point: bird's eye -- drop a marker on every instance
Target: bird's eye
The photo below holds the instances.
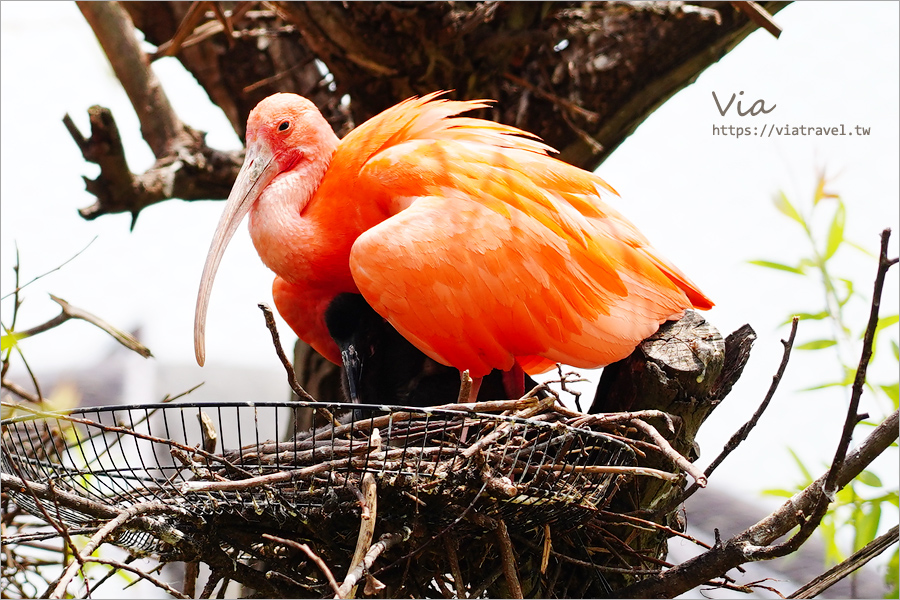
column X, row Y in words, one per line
column 284, row 126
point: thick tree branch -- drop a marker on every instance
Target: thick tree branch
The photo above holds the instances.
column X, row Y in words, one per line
column 193, row 171
column 745, row 546
column 185, row 168
column 160, row 126
column 581, row 75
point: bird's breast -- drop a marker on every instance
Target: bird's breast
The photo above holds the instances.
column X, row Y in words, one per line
column 302, row 247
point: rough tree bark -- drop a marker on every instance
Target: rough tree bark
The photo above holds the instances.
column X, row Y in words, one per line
column 580, row 75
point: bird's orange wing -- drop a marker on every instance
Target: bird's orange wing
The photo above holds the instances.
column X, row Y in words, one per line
column 497, row 252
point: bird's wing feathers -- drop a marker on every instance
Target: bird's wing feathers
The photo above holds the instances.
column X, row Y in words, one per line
column 499, row 252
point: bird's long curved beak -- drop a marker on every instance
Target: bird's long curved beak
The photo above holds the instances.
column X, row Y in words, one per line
column 258, row 170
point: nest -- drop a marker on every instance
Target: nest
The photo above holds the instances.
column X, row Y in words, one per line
column 447, row 480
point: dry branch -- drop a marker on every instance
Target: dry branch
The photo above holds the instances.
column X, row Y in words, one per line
column 584, row 99
column 846, row 567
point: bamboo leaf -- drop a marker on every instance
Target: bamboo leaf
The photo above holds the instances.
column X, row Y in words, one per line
column 779, row 493
column 860, row 248
column 816, row 345
column 836, row 231
column 808, row 478
column 884, row 322
column 849, row 377
column 896, row 349
column 774, row 265
column 869, row 478
column 892, row 391
column 785, row 207
column 849, row 286
column 892, row 575
column 829, row 537
column 867, row 527
column 808, row 316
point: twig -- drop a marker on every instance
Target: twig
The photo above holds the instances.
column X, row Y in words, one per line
column 636, row 521
column 40, row 491
column 459, row 584
column 830, row 485
column 670, row 452
column 859, row 381
column 545, row 551
column 120, row 566
column 191, row 575
column 20, row 482
column 759, row 15
column 312, row 555
column 566, row 105
column 98, row 538
column 276, row 341
column 367, row 523
column 185, row 28
column 508, row 559
column 185, row 168
column 20, row 391
column 385, row 542
column 603, row 418
column 741, row 434
column 19, row 288
column 73, row 312
column 842, row 570
column 465, row 387
column 488, row 582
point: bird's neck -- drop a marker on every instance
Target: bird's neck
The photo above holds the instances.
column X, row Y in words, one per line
column 294, row 231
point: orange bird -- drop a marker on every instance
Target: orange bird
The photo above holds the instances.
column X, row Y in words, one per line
column 480, row 248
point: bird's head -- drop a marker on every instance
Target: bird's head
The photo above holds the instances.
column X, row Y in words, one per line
column 286, row 134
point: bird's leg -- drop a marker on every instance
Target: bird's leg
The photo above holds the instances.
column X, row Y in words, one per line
column 514, row 381
column 474, row 386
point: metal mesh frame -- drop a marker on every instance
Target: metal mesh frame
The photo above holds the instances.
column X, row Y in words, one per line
column 119, row 456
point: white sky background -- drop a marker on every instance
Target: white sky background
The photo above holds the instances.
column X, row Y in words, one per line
column 704, row 201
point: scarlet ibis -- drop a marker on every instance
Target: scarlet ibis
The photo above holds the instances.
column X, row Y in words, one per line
column 476, row 245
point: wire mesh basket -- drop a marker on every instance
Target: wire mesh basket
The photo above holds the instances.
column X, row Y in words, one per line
column 219, row 462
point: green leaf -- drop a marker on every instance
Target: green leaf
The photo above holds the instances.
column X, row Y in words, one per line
column 861, row 248
column 806, row 474
column 11, row 339
column 893, row 498
column 883, row 323
column 774, row 265
column 808, row 316
column 849, row 295
column 829, row 537
column 867, row 527
column 836, row 231
column 779, row 493
column 896, row 349
column 785, row 207
column 869, row 478
column 816, row 345
column 849, row 378
column 892, row 391
column 892, row 576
